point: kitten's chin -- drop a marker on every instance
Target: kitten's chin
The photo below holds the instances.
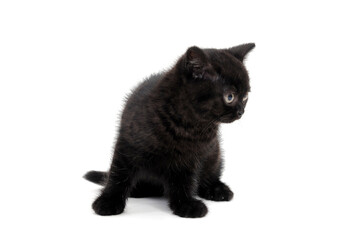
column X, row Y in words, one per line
column 229, row 118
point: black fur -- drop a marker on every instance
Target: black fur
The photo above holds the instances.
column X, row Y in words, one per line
column 96, row 177
column 168, row 140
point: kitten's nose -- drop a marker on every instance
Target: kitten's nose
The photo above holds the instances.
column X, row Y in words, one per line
column 240, row 112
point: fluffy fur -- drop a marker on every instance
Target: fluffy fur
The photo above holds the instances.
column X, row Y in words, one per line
column 168, row 141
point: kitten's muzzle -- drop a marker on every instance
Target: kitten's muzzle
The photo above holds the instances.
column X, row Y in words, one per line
column 240, row 113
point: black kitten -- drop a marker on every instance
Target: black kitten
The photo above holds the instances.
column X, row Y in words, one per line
column 168, row 140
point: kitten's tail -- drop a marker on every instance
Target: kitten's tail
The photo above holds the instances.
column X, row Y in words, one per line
column 96, row 177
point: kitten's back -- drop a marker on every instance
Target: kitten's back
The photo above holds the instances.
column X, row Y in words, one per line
column 142, row 91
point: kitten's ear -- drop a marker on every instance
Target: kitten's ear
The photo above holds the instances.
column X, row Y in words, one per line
column 196, row 61
column 242, row 50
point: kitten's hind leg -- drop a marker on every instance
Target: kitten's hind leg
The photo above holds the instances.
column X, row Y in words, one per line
column 210, row 186
column 215, row 191
column 113, row 197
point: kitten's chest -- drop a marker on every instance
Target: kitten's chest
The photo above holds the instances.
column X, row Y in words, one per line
column 196, row 148
column 192, row 156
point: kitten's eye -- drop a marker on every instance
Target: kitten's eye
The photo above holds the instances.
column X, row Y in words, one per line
column 245, row 97
column 229, row 97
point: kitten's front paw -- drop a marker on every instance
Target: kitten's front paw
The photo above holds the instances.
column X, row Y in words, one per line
column 107, row 205
column 217, row 192
column 189, row 209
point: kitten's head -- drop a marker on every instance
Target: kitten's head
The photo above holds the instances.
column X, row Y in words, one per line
column 217, row 81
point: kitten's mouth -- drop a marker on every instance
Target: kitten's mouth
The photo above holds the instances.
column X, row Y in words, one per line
column 229, row 117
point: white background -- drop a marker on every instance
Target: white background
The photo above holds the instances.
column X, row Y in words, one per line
column 292, row 160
